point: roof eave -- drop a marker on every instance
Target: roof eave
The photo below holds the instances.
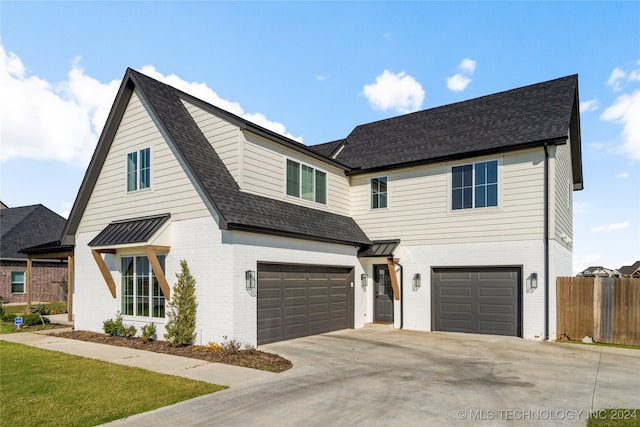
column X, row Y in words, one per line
column 293, row 235
column 459, row 156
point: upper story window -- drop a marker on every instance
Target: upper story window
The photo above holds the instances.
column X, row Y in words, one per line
column 379, row 192
column 139, row 170
column 17, row 282
column 474, row 185
column 306, row 182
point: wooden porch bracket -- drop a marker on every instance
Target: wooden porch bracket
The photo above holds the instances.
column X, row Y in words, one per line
column 106, row 274
column 157, row 269
column 394, row 278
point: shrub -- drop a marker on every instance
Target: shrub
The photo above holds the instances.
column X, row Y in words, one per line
column 181, row 316
column 9, row 317
column 249, row 347
column 114, row 327
column 1, row 307
column 40, row 309
column 129, row 332
column 147, row 332
column 231, row 346
column 34, row 319
column 214, row 347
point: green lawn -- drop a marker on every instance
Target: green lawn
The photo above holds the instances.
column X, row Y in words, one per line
column 41, row 387
column 615, row 418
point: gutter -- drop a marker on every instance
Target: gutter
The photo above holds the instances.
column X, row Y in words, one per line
column 546, row 242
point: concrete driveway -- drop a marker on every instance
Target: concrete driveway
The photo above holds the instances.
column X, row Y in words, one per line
column 383, row 377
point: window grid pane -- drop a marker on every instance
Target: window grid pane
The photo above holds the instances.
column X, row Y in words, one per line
column 127, row 285
column 293, row 178
column 474, row 185
column 141, row 292
column 145, row 168
column 17, row 282
column 461, row 184
column 132, row 171
column 379, row 193
column 321, row 187
column 307, row 182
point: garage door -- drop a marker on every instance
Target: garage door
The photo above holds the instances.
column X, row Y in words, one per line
column 299, row 300
column 477, row 300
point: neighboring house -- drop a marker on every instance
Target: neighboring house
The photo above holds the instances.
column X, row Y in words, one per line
column 630, row 270
column 457, row 218
column 20, row 228
column 598, row 271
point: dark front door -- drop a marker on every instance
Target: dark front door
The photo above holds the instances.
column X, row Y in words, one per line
column 384, row 294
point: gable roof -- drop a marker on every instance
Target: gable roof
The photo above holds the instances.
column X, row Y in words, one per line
column 236, row 210
column 525, row 117
column 628, row 270
column 27, row 226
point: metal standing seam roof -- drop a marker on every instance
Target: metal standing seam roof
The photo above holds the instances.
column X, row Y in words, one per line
column 137, row 230
column 380, row 248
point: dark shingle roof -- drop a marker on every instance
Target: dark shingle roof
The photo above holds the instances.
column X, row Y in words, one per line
column 629, row 269
column 27, row 226
column 527, row 116
column 129, row 231
column 238, row 210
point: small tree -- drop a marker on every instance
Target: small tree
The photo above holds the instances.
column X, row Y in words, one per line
column 181, row 323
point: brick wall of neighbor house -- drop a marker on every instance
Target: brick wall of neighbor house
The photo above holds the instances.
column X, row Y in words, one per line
column 46, row 276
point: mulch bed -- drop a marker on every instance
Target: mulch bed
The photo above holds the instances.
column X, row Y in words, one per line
column 246, row 358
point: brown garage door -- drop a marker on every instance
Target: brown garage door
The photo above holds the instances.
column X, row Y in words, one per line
column 299, row 300
column 477, row 300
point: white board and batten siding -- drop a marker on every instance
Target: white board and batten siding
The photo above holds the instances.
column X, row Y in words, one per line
column 171, row 189
column 259, row 165
column 419, row 204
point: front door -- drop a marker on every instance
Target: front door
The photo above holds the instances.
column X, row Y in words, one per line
column 384, row 294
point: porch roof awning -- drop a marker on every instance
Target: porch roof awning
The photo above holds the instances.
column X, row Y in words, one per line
column 380, row 248
column 138, row 230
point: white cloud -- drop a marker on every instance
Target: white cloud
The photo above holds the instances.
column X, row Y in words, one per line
column 204, row 92
column 41, row 120
column 614, row 79
column 622, row 175
column 458, row 82
column 597, row 146
column 468, row 66
column 399, row 92
column 590, row 105
column 626, row 110
column 611, row 227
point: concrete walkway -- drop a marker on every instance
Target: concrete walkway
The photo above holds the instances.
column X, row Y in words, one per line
column 385, row 377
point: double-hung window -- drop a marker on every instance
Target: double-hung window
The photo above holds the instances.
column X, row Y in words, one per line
column 306, row 182
column 474, row 185
column 139, row 170
column 17, row 282
column 141, row 292
column 379, row 192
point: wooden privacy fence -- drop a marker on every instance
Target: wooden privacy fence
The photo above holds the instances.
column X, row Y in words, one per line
column 604, row 308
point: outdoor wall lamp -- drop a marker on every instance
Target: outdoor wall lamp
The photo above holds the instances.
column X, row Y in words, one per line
column 250, row 280
column 417, row 281
column 534, row 280
column 363, row 280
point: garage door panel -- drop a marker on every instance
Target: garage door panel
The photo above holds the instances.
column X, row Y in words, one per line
column 477, row 300
column 311, row 300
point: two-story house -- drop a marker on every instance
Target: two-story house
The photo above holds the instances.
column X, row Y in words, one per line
column 457, row 218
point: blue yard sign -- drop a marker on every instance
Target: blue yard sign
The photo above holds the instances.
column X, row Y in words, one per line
column 18, row 321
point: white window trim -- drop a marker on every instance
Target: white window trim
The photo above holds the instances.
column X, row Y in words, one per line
column 371, row 208
column 126, row 171
column 315, row 169
column 473, row 209
column 24, row 282
column 158, row 320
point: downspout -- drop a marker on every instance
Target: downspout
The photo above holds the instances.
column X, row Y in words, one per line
column 401, row 292
column 546, row 242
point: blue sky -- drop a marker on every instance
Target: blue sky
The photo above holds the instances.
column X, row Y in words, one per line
column 314, row 71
